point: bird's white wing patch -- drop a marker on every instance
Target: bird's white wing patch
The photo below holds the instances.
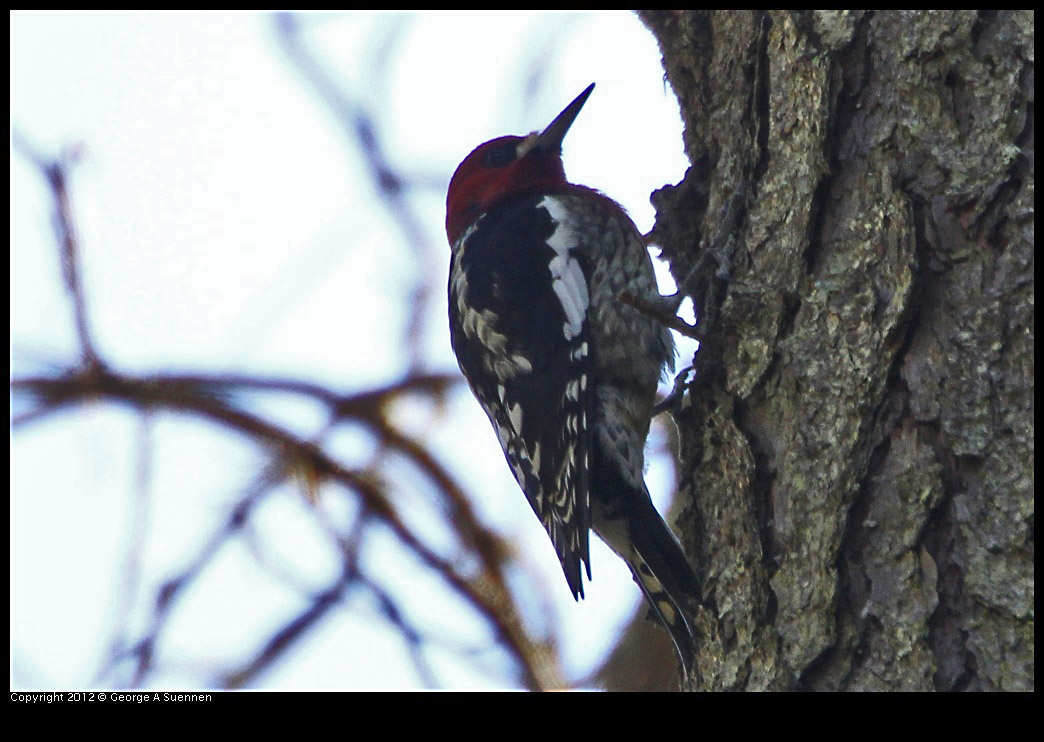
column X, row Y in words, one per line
column 568, row 280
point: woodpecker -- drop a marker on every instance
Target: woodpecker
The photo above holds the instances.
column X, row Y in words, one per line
column 565, row 370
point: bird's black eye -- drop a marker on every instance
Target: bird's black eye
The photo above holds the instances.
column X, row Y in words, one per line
column 501, row 155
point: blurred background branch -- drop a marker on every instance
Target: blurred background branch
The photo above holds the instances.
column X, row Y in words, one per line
column 389, row 183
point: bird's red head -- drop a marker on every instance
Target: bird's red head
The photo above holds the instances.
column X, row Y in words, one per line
column 509, row 166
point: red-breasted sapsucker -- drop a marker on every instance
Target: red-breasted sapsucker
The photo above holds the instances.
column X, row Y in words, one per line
column 565, row 370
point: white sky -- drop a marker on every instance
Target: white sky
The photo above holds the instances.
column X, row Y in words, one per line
column 225, row 227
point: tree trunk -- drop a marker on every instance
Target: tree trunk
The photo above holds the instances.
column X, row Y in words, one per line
column 857, row 448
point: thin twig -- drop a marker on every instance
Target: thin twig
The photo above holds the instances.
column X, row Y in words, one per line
column 134, row 548
column 56, row 173
column 289, row 634
column 656, row 312
column 389, row 183
column 170, row 591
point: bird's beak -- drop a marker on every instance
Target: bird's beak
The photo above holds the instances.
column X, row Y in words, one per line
column 550, row 139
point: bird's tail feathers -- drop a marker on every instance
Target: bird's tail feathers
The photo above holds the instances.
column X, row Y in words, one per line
column 664, row 575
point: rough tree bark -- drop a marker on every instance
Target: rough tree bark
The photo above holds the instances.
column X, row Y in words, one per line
column 857, row 450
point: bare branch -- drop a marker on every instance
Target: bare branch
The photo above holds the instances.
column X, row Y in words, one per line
column 487, row 593
column 56, row 173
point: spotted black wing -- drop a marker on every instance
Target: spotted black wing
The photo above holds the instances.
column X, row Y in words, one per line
column 518, row 324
